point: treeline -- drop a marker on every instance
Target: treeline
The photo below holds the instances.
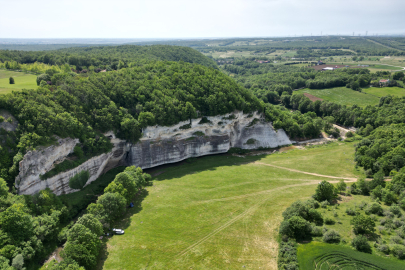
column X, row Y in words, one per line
column 108, row 57
column 360, row 45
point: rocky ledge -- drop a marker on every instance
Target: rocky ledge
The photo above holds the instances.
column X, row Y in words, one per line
column 159, row 145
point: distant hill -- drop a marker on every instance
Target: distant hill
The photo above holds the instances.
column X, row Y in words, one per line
column 102, row 56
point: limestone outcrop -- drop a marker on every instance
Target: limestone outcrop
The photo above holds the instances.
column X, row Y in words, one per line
column 159, row 145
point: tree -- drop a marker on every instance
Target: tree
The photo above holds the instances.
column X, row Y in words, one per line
column 97, row 210
column 18, row 262
column 190, row 111
column 3, row 188
column 378, row 180
column 92, row 223
column 11, row 80
column 16, row 223
column 325, row 191
column 113, row 204
column 363, row 224
column 146, row 119
column 82, row 246
column 296, row 227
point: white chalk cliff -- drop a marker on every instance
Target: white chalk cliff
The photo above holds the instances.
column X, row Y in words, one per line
column 158, row 145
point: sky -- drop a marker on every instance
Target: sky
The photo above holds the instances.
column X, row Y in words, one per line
column 198, row 19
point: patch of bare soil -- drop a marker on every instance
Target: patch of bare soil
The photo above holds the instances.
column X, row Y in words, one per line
column 312, row 97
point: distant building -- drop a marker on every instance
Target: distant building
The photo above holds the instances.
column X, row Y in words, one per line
column 384, row 82
column 320, row 63
column 329, row 68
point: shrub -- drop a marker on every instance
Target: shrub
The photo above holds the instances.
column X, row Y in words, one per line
column 11, row 80
column 398, row 251
column 316, row 231
column 331, row 236
column 204, row 120
column 361, row 244
column 329, row 221
column 315, row 216
column 79, row 180
column 187, row 126
column 287, row 256
column 324, row 191
column 397, row 223
column 396, row 240
column 396, row 210
column 363, row 224
column 18, row 262
column 296, row 227
column 349, row 134
column 325, row 204
column 198, row 133
column 383, row 248
column 1, row 119
column 350, row 211
column 251, row 141
column 375, row 208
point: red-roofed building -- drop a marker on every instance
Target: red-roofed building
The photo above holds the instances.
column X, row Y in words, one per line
column 384, row 82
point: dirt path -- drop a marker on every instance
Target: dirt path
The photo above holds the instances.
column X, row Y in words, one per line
column 315, row 174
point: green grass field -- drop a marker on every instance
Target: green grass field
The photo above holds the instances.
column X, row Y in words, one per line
column 321, row 256
column 22, row 81
column 343, row 96
column 221, row 212
column 384, row 91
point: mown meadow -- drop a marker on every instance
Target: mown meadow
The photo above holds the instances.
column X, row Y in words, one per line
column 221, row 212
column 22, row 81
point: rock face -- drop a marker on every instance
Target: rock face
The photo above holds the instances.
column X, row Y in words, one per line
column 159, row 145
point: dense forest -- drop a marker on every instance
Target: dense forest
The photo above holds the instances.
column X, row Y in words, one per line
column 108, row 57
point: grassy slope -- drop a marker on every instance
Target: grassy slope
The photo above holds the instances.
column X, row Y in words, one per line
column 309, row 252
column 22, row 81
column 220, row 212
column 384, row 91
column 343, row 96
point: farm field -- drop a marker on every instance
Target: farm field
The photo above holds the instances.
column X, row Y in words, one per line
column 384, row 91
column 221, row 212
column 343, row 96
column 22, row 81
column 322, row 256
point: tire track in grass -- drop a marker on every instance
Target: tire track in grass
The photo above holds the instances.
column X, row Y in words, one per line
column 238, row 217
column 314, row 174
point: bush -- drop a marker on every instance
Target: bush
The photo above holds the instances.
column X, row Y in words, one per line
column 398, row 251
column 363, row 224
column 350, row 211
column 396, row 210
column 325, row 204
column 11, row 80
column 360, row 243
column 79, row 180
column 349, row 134
column 324, row 191
column 331, row 236
column 329, row 221
column 315, row 216
column 316, row 231
column 287, row 256
column 375, row 208
column 383, row 248
column 296, row 227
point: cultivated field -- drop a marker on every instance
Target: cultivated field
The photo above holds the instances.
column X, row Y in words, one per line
column 343, row 96
column 22, row 81
column 384, row 91
column 222, row 212
column 322, row 256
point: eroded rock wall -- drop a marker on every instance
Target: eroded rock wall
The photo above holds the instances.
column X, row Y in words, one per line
column 158, row 146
